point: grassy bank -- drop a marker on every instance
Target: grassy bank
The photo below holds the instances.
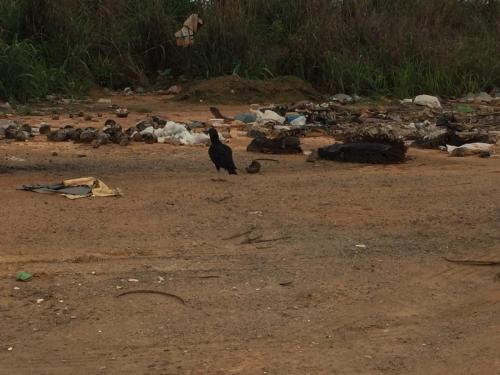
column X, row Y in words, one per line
column 389, row 47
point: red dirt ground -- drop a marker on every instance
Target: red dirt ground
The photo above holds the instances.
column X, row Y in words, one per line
column 312, row 302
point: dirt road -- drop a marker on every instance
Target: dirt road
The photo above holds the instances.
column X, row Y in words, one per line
column 351, row 281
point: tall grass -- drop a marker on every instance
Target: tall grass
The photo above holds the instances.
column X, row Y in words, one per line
column 390, row 47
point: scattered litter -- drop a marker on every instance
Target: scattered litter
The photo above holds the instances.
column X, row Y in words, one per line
column 467, row 262
column 185, row 36
column 269, row 115
column 74, row 188
column 176, row 133
column 313, row 156
column 133, row 280
column 239, row 234
column 15, row 158
column 464, row 109
column 259, row 239
column 218, row 115
column 153, row 292
column 121, row 112
column 104, row 101
column 342, row 98
column 470, row 149
column 373, row 153
column 299, row 122
column 361, row 246
column 23, row 276
column 254, row 167
column 39, row 300
column 246, row 117
column 288, row 283
column 281, row 145
column 10, row 348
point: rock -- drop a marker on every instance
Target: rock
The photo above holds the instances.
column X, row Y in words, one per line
column 54, row 153
column 88, row 117
column 55, row 117
column 81, row 114
column 428, row 101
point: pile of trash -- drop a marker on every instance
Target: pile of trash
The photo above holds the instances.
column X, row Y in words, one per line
column 75, row 188
column 150, row 130
column 424, row 122
column 373, row 145
column 13, row 130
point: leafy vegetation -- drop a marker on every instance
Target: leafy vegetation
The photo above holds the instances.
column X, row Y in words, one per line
column 387, row 47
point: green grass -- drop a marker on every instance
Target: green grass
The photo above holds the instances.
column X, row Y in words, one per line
column 370, row 47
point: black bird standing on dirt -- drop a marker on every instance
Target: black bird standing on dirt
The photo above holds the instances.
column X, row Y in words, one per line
column 220, row 154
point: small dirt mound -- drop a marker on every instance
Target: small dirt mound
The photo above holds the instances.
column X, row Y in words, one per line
column 233, row 89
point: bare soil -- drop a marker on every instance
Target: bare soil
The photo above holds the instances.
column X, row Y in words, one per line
column 352, row 279
column 234, row 89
